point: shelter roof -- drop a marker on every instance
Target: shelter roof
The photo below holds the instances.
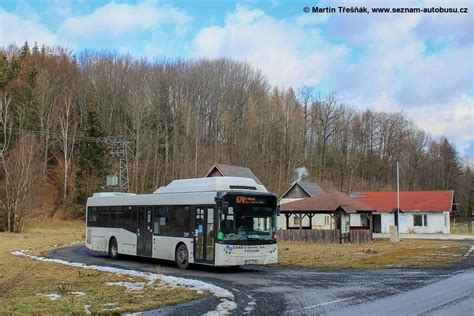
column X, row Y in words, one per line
column 311, row 188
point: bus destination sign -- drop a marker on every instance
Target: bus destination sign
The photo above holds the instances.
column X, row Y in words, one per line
column 240, row 199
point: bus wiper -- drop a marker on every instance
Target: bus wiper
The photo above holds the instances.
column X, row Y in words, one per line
column 238, row 239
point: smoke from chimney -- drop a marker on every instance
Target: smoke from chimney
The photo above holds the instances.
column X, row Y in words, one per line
column 300, row 173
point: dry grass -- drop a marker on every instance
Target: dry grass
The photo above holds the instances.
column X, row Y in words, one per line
column 462, row 228
column 22, row 279
column 375, row 255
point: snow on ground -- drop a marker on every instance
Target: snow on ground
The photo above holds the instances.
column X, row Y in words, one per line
column 52, row 296
column 227, row 298
column 250, row 306
column 130, row 286
column 469, row 251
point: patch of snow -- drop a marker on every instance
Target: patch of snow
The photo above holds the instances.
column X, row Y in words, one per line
column 227, row 298
column 52, row 296
column 225, row 307
column 87, row 309
column 250, row 305
column 469, row 251
column 78, row 293
column 131, row 286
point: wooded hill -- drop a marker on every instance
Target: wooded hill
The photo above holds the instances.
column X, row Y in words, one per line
column 184, row 115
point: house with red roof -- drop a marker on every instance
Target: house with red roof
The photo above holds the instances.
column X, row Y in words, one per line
column 420, row 211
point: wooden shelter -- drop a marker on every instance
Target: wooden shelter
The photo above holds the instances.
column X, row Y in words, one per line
column 338, row 205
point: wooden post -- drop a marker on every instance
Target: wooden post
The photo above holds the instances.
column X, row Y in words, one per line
column 340, row 228
column 287, row 221
column 337, row 218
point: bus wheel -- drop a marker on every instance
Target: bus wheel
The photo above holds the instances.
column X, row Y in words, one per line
column 182, row 257
column 113, row 249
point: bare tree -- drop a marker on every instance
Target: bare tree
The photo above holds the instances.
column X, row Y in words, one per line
column 20, row 179
column 67, row 120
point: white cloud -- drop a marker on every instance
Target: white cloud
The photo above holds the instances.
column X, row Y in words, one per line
column 14, row 30
column 381, row 61
column 454, row 120
column 287, row 54
column 115, row 19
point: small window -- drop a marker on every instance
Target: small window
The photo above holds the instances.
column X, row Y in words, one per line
column 156, row 227
column 148, row 215
column 420, row 220
column 296, row 220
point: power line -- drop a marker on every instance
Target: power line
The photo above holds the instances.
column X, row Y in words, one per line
column 106, row 140
column 117, row 149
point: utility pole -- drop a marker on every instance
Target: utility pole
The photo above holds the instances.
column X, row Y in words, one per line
column 398, row 202
column 118, row 150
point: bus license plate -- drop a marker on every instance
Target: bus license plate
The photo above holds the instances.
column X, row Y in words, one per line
column 251, row 262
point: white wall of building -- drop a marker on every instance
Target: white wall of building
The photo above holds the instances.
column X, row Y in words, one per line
column 435, row 223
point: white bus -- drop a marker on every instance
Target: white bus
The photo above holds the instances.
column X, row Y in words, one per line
column 220, row 221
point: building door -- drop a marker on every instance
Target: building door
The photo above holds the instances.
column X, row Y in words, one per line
column 377, row 224
column 204, row 234
column 144, row 232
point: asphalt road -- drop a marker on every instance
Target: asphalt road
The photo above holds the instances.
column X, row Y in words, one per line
column 279, row 291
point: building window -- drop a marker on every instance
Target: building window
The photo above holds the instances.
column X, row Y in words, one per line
column 327, row 221
column 296, row 220
column 420, row 220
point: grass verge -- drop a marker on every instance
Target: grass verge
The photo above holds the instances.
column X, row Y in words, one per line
column 25, row 284
column 375, row 255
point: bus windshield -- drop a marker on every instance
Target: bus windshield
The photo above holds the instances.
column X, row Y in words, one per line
column 246, row 223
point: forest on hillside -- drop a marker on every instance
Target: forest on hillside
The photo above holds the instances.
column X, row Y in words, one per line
column 181, row 116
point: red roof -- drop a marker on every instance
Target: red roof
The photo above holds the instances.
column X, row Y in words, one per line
column 423, row 201
column 327, row 202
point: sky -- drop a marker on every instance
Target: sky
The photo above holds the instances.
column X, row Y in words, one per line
column 419, row 63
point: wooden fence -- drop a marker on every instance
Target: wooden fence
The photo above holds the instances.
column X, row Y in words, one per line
column 324, row 236
column 358, row 236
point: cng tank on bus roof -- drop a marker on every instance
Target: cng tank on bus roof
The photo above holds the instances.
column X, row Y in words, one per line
column 212, row 184
column 108, row 194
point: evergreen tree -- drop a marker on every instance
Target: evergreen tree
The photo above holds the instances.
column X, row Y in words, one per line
column 92, row 160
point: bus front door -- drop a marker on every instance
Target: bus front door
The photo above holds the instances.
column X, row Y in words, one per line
column 204, row 235
column 144, row 232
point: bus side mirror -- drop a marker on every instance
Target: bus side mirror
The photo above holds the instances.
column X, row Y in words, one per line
column 278, row 211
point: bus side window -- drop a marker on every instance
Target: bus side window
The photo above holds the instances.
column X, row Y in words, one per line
column 92, row 216
column 156, row 225
column 101, row 219
column 180, row 221
column 162, row 221
column 119, row 216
